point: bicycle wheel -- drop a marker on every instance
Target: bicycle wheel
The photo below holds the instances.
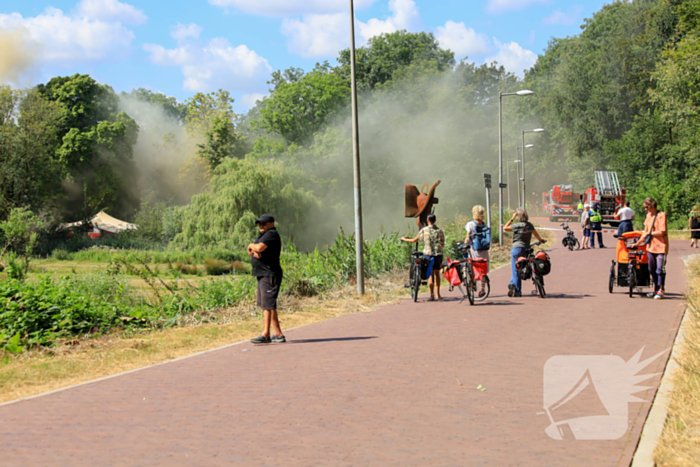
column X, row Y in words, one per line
column 632, row 280
column 611, row 282
column 539, row 285
column 487, row 288
column 577, row 244
column 414, row 279
column 467, row 282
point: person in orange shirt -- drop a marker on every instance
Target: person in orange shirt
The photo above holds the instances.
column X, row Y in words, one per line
column 656, row 238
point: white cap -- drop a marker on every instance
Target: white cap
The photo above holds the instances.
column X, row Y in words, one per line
column 586, row 206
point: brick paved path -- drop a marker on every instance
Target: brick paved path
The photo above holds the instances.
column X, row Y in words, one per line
column 370, row 389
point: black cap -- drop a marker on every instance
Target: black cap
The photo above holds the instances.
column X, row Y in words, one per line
column 264, row 219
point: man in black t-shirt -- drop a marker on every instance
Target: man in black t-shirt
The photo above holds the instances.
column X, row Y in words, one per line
column 265, row 256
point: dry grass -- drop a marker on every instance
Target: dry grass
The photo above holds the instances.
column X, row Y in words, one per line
column 75, row 362
column 72, row 362
column 680, row 441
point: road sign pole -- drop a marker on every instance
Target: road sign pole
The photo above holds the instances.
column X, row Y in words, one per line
column 487, row 185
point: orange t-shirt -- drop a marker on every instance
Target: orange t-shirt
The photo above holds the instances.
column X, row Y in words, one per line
column 658, row 244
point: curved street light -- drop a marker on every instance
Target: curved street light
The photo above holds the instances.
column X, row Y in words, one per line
column 522, row 167
column 522, row 93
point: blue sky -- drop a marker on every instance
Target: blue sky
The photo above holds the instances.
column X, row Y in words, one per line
column 180, row 47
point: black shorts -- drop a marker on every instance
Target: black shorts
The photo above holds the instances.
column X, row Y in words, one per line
column 268, row 290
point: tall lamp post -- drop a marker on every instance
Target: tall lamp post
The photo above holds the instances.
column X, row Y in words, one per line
column 521, row 180
column 359, row 244
column 524, row 92
column 517, row 172
column 537, row 130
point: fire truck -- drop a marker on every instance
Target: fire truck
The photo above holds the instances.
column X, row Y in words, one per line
column 561, row 202
column 608, row 193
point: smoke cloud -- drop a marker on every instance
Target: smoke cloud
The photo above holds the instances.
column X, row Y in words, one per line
column 17, row 55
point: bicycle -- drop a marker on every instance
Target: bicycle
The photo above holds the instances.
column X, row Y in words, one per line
column 535, row 268
column 631, row 265
column 415, row 273
column 469, row 284
column 570, row 241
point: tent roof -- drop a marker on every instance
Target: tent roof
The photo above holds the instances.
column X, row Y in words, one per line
column 104, row 221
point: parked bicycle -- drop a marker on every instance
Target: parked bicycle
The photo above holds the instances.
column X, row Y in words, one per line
column 534, row 266
column 569, row 241
column 472, row 272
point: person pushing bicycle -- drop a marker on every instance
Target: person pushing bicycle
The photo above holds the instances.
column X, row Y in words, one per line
column 433, row 239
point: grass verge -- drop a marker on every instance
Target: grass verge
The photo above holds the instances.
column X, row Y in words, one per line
column 74, row 361
column 680, row 441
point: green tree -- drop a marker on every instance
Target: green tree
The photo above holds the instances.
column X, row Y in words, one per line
column 223, row 141
column 203, row 108
column 96, row 153
column 385, row 54
column 169, row 105
column 298, row 109
column 239, row 191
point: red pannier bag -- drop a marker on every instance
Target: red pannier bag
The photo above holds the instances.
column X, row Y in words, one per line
column 543, row 263
column 480, row 267
column 452, row 274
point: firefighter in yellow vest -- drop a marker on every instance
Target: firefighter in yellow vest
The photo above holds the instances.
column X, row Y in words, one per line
column 596, row 225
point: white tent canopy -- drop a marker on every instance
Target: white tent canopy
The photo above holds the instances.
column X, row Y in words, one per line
column 105, row 222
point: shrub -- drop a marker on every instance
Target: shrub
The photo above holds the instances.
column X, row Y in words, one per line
column 186, row 269
column 215, row 267
column 60, row 255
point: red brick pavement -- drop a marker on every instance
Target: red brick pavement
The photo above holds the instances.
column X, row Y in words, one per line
column 376, row 388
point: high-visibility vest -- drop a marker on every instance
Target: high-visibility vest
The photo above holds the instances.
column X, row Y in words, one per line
column 596, row 216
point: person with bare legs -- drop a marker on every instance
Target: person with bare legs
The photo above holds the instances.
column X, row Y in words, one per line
column 265, row 256
column 433, row 239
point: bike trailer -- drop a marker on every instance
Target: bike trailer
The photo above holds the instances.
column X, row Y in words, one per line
column 480, row 267
column 626, row 239
column 523, row 271
column 542, row 263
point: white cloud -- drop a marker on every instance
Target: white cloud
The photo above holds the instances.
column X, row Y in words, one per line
column 181, row 32
column 513, row 57
column 111, row 10
column 461, row 40
column 325, row 35
column 317, row 35
column 290, row 7
column 558, row 17
column 63, row 40
column 500, row 6
column 249, row 100
column 214, row 64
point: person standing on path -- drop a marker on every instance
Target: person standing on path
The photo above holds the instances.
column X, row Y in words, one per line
column 523, row 231
column 655, row 236
column 694, row 226
column 586, row 226
column 474, row 230
column 265, row 256
column 626, row 214
column 596, row 225
column 433, row 239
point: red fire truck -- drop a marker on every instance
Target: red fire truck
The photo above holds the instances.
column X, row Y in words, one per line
column 561, row 202
column 608, row 193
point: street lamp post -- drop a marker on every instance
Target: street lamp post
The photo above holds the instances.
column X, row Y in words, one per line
column 524, row 92
column 517, row 172
column 537, row 130
column 359, row 243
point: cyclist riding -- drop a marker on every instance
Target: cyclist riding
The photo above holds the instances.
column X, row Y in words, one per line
column 523, row 231
column 479, row 239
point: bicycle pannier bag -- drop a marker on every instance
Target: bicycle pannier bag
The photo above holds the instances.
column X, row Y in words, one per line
column 424, row 265
column 523, row 270
column 482, row 239
column 543, row 263
column 480, row 267
column 452, row 274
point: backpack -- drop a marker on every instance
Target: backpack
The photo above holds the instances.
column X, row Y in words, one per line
column 482, row 239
